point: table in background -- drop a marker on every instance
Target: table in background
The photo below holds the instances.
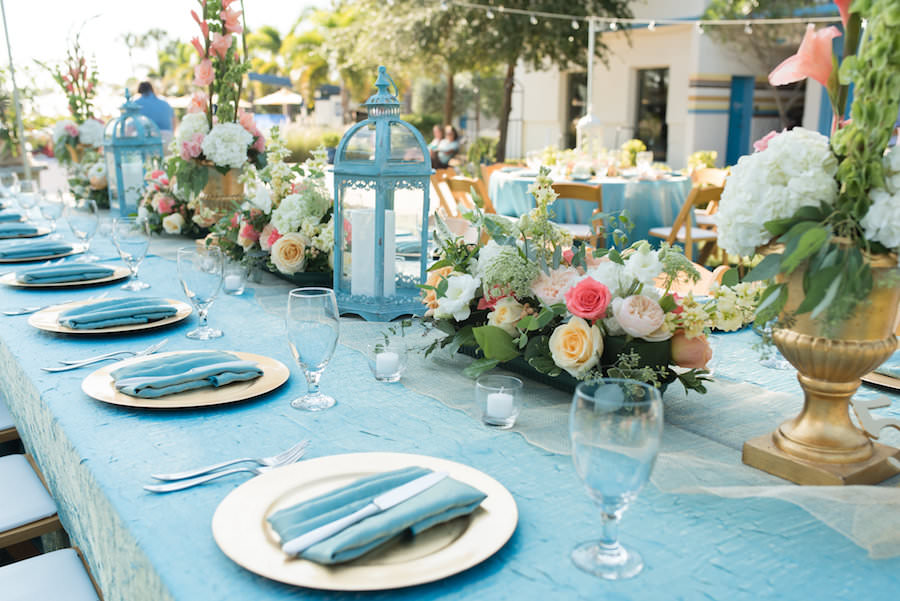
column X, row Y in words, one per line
column 649, row 203
column 142, row 546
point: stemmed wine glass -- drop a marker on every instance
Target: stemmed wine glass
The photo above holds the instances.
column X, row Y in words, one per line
column 28, row 196
column 312, row 323
column 51, row 209
column 84, row 218
column 132, row 239
column 615, row 427
column 9, row 182
column 201, row 272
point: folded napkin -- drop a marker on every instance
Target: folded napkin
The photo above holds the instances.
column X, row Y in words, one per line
column 116, row 312
column 17, row 229
column 69, row 272
column 891, row 367
column 160, row 376
column 444, row 501
column 10, row 215
column 407, row 245
column 26, row 249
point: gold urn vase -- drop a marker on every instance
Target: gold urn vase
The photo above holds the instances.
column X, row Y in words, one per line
column 223, row 191
column 822, row 445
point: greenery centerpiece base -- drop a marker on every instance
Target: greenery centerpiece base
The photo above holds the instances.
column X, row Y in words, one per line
column 822, row 445
column 308, row 279
column 222, row 191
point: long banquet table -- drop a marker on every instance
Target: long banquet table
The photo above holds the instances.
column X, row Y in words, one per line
column 144, row 546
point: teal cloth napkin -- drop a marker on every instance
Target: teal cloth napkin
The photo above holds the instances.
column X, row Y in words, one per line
column 10, row 216
column 891, row 367
column 444, row 501
column 116, row 312
column 161, row 376
column 26, row 249
column 69, row 272
column 407, row 245
column 17, row 229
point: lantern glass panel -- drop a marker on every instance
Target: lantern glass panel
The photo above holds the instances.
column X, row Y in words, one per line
column 132, row 177
column 404, row 146
column 361, row 147
column 112, row 180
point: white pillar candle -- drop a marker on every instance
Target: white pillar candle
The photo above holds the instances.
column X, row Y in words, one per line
column 362, row 255
column 232, row 282
column 499, row 404
column 386, row 364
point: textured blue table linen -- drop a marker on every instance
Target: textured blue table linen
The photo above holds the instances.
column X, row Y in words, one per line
column 116, row 312
column 25, row 249
column 17, row 229
column 64, row 272
column 444, row 501
column 10, row 216
column 891, row 367
column 160, row 376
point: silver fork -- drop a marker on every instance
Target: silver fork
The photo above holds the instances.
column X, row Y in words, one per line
column 190, row 482
column 35, row 309
column 278, row 459
column 91, row 360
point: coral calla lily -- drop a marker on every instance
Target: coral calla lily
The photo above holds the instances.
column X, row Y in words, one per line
column 813, row 58
column 844, row 8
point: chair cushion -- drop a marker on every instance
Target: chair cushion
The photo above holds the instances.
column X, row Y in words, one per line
column 55, row 575
column 702, row 219
column 23, row 498
column 578, row 230
column 697, row 235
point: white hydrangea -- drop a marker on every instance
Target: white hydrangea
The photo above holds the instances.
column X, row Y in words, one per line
column 226, row 145
column 97, row 169
column 892, row 170
column 193, row 123
column 91, row 133
column 60, row 127
column 882, row 222
column 797, row 169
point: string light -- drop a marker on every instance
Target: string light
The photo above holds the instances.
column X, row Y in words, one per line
column 575, row 24
column 748, row 29
column 533, row 20
column 571, row 39
column 651, row 26
column 489, row 14
column 613, row 26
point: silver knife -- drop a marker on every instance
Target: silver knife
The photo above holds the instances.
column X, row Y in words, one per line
column 380, row 503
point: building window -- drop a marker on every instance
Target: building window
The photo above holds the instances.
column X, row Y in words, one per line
column 650, row 117
column 576, row 98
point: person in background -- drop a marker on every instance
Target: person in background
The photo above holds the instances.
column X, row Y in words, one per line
column 438, row 135
column 447, row 148
column 157, row 110
column 893, row 141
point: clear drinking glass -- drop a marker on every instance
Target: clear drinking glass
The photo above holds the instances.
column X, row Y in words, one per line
column 615, row 427
column 201, row 272
column 312, row 323
column 84, row 218
column 132, row 239
column 51, row 210
column 9, row 182
column 28, row 196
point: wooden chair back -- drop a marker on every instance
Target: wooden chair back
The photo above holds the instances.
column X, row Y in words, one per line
column 709, row 176
column 587, row 192
column 442, row 193
column 461, row 190
column 486, row 172
column 699, row 195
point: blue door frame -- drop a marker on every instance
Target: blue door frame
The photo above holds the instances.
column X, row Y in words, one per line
column 740, row 115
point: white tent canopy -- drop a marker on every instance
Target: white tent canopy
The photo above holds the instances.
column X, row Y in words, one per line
column 282, row 97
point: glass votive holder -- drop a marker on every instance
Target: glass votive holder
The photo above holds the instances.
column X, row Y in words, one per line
column 387, row 360
column 235, row 278
column 498, row 397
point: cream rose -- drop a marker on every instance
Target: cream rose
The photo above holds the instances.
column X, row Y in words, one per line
column 506, row 314
column 576, row 346
column 289, row 253
column 173, row 223
column 638, row 315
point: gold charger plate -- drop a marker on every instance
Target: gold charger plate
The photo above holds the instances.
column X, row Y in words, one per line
column 881, row 380
column 47, row 320
column 241, row 531
column 41, row 231
column 120, row 273
column 76, row 249
column 99, row 385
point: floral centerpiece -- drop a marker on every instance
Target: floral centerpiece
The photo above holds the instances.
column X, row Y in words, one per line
column 216, row 132
column 702, row 159
column 526, row 300
column 88, row 178
column 629, row 152
column 285, row 225
column 166, row 210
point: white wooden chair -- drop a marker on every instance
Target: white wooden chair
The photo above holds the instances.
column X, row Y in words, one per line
column 26, row 508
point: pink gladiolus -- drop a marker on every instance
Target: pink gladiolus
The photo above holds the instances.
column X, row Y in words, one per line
column 203, row 26
column 69, row 88
column 763, row 142
column 232, row 24
column 227, row 3
column 220, row 44
column 196, row 42
column 844, row 8
column 203, row 73
column 813, row 58
column 246, row 120
column 198, row 102
column 259, row 143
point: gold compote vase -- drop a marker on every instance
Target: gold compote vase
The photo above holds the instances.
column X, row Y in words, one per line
column 822, row 445
column 222, row 190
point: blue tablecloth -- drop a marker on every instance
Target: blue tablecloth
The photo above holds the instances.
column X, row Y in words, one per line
column 648, row 203
column 142, row 546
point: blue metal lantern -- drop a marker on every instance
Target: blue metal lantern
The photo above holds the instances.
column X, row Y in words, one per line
column 128, row 142
column 382, row 172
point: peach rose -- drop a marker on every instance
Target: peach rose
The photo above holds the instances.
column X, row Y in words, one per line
column 98, row 183
column 289, row 253
column 691, row 352
column 434, row 278
column 576, row 346
column 506, row 314
column 588, row 299
column 638, row 315
column 203, row 73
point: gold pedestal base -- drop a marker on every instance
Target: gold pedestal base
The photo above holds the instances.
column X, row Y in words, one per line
column 763, row 454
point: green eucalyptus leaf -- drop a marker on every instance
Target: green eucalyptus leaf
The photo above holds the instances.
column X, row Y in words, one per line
column 479, row 366
column 810, row 242
column 495, row 343
column 771, row 304
column 766, row 269
column 819, row 283
column 731, row 278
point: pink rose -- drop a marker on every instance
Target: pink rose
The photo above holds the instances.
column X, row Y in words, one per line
column 164, row 204
column 247, row 236
column 232, row 24
column 588, row 299
column 220, row 44
column 693, row 353
column 198, row 103
column 192, row 148
column 203, row 73
column 157, row 173
column 813, row 58
column 638, row 315
column 268, row 237
column 763, row 142
column 246, row 120
column 551, row 287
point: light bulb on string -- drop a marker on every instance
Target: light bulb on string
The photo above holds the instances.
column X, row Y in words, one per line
column 489, row 14
column 651, row 26
column 575, row 24
column 533, row 20
column 571, row 39
column 748, row 29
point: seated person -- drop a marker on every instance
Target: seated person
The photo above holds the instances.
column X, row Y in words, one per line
column 438, row 136
column 447, row 148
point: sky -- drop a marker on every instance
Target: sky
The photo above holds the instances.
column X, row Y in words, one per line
column 41, row 29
